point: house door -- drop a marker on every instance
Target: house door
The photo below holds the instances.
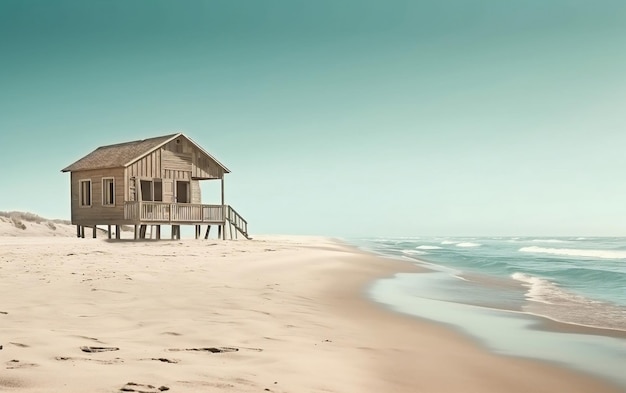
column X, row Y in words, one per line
column 182, row 192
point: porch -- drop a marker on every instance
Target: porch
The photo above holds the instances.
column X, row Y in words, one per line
column 162, row 213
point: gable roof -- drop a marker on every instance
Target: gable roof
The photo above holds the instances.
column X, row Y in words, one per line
column 124, row 154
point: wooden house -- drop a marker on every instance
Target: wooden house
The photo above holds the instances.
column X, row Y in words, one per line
column 150, row 182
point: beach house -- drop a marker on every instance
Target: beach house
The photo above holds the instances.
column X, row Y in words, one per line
column 150, row 182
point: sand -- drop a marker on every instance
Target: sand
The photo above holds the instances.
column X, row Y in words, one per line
column 275, row 314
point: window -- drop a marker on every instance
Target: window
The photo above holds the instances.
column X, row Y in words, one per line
column 108, row 191
column 84, row 192
column 152, row 190
column 146, row 190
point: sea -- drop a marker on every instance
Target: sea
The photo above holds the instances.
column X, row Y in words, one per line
column 502, row 291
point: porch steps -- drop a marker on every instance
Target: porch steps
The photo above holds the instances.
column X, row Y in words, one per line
column 237, row 221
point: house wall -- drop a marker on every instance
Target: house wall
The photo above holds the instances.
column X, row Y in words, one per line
column 147, row 167
column 204, row 167
column 97, row 213
column 178, row 160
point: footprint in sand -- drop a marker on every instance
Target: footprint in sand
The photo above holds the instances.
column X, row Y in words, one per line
column 98, row 349
column 143, row 388
column 163, row 360
column 13, row 364
column 99, row 361
column 208, row 349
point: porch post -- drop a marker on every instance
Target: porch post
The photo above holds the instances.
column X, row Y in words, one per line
column 223, row 210
column 222, row 188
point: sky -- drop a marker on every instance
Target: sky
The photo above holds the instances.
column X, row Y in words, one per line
column 344, row 118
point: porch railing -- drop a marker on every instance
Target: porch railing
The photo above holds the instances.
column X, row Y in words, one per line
column 180, row 213
column 172, row 212
column 236, row 220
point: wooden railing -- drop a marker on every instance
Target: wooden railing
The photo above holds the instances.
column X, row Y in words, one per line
column 236, row 220
column 180, row 213
column 172, row 212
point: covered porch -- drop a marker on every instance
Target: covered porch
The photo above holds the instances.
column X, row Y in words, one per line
column 143, row 213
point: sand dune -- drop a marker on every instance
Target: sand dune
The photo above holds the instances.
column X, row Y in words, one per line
column 276, row 314
column 23, row 224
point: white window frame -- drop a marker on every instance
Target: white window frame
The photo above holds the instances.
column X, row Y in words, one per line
column 80, row 192
column 105, row 190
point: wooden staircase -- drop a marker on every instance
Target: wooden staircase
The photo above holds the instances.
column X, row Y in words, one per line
column 237, row 221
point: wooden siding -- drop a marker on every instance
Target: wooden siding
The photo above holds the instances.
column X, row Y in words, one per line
column 196, row 192
column 177, row 175
column 147, row 167
column 203, row 167
column 168, row 190
column 97, row 213
column 176, row 161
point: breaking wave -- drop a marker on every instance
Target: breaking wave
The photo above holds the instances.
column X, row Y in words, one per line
column 428, row 248
column 556, row 303
column 414, row 252
column 572, row 252
column 468, row 244
column 550, row 241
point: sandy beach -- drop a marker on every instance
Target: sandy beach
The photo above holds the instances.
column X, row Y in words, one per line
column 275, row 314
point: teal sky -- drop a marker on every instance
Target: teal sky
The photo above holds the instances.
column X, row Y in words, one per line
column 342, row 117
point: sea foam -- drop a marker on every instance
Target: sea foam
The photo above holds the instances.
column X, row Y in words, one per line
column 428, row 248
column 559, row 304
column 550, row 241
column 573, row 252
column 468, row 244
column 414, row 252
column 539, row 289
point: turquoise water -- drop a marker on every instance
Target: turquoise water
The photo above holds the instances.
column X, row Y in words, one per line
column 497, row 289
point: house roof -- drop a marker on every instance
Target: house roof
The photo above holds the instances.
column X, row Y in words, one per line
column 124, row 154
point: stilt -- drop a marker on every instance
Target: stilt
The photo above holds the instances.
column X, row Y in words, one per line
column 94, row 231
column 82, row 232
column 136, row 232
column 142, row 231
column 109, row 231
column 158, row 232
column 219, row 231
column 118, row 229
column 78, row 231
column 208, row 229
column 198, row 232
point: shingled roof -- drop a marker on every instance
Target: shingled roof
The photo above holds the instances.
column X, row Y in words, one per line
column 118, row 155
column 124, row 154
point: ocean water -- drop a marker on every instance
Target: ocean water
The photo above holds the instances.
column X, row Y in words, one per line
column 499, row 290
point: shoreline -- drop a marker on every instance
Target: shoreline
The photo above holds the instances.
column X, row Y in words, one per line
column 546, row 329
column 543, row 322
column 290, row 313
